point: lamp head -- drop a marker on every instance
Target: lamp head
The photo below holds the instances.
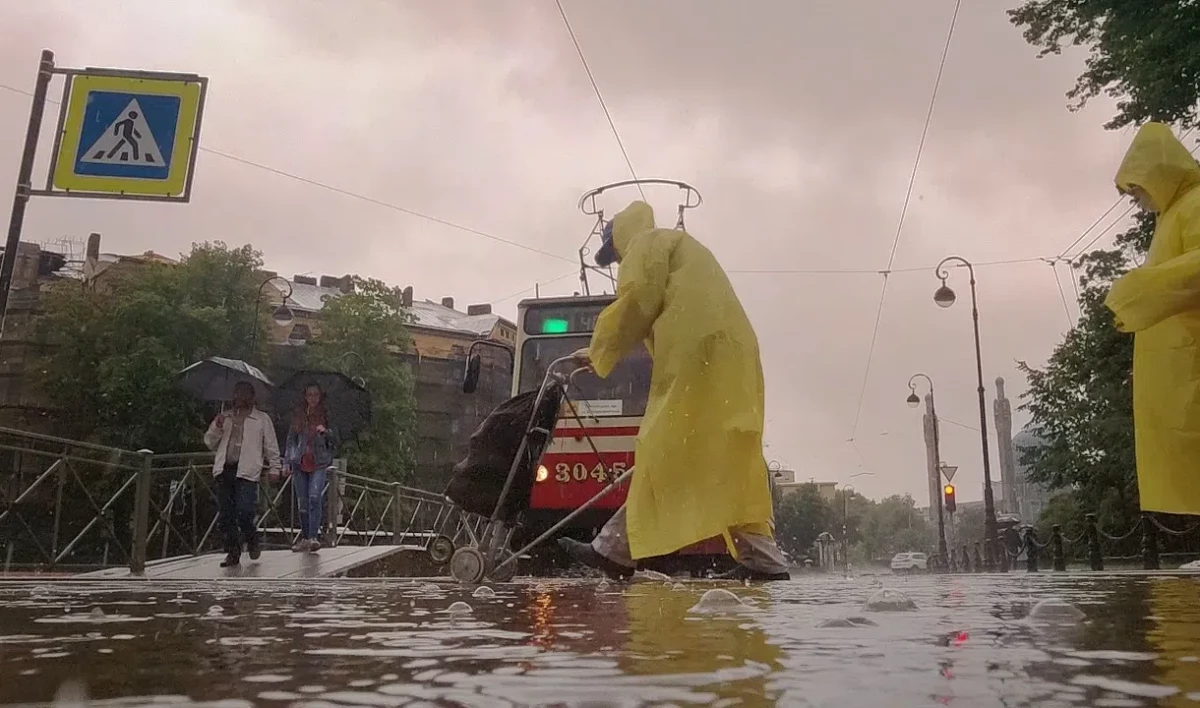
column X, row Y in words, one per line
column 283, row 315
column 944, row 296
column 913, row 400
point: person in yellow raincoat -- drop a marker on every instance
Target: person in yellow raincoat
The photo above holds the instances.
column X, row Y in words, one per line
column 1160, row 302
column 700, row 471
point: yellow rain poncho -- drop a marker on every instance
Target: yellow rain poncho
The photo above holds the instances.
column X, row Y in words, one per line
column 699, row 456
column 1160, row 302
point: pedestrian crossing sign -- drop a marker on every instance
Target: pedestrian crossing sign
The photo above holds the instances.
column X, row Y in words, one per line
column 125, row 135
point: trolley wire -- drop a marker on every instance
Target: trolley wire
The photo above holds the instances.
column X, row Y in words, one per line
column 353, row 195
column 599, row 97
column 904, row 213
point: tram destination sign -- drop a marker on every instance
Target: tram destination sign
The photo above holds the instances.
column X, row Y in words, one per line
column 562, row 319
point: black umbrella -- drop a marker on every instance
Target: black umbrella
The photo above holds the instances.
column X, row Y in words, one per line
column 347, row 401
column 214, row 378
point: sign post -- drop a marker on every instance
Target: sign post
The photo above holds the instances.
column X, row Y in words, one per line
column 121, row 134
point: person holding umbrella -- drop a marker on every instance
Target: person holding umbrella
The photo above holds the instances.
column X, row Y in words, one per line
column 244, row 440
column 309, row 450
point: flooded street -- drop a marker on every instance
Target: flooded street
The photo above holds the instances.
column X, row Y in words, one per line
column 970, row 641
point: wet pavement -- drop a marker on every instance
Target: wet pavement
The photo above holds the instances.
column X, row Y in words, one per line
column 969, row 641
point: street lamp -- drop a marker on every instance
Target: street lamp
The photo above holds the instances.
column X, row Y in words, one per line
column 913, row 401
column 282, row 315
column 945, row 297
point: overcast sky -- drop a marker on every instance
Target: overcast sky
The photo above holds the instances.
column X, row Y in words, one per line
column 798, row 121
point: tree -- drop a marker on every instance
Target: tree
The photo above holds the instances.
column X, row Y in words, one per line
column 363, row 333
column 1144, row 53
column 892, row 526
column 111, row 370
column 800, row 517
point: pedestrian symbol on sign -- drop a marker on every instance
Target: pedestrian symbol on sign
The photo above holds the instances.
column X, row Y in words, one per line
column 127, row 141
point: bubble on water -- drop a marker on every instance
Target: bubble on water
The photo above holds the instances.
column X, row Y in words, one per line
column 459, row 608
column 96, row 614
column 428, row 588
column 603, row 586
column 483, row 591
column 679, row 586
column 719, row 600
column 1055, row 610
column 71, row 693
column 889, row 600
column 216, row 610
column 846, row 622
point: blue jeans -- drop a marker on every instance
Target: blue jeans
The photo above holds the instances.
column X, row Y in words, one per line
column 236, row 498
column 310, row 497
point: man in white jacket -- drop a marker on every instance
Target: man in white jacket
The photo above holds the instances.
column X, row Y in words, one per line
column 244, row 441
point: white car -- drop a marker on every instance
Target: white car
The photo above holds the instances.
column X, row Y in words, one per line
column 909, row 562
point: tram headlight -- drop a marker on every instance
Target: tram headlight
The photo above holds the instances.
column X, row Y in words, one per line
column 542, row 473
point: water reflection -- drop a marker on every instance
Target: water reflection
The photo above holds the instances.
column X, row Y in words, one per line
column 969, row 642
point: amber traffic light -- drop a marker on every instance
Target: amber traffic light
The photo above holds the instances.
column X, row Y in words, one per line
column 949, row 497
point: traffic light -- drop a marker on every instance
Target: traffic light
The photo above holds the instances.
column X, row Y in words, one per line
column 949, row 495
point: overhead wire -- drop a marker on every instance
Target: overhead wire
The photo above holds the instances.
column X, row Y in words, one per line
column 904, row 213
column 1062, row 294
column 599, row 97
column 353, row 195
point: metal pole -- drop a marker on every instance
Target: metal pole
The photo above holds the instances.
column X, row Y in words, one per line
column 24, row 181
column 937, row 456
column 989, row 503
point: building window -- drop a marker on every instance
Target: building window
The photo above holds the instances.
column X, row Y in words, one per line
column 300, row 334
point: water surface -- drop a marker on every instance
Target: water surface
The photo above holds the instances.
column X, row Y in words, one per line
column 969, row 642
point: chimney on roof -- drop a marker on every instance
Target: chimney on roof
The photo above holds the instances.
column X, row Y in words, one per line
column 485, row 309
column 448, row 303
column 346, row 284
column 406, row 296
column 93, row 247
column 304, row 280
column 328, row 281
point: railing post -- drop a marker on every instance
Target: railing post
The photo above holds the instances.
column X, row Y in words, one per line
column 978, row 557
column 1149, row 543
column 141, row 514
column 1031, row 550
column 1056, row 541
column 1093, row 542
column 397, row 514
column 332, row 506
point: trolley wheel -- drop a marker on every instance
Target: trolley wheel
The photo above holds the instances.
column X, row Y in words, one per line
column 505, row 573
column 441, row 549
column 467, row 566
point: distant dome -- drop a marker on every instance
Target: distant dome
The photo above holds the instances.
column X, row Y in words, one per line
column 1026, row 438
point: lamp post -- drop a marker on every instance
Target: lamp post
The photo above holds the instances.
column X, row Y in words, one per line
column 913, row 401
column 945, row 297
column 282, row 315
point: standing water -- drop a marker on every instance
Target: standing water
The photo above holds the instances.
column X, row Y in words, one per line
column 972, row 641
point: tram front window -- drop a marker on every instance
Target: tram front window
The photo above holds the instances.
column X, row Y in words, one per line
column 628, row 383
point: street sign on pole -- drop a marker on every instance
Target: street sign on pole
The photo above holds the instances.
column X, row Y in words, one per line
column 121, row 135
column 948, row 472
column 127, row 135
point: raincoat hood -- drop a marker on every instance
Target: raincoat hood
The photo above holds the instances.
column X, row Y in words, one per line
column 629, row 223
column 1158, row 163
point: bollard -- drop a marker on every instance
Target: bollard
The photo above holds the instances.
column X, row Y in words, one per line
column 1056, row 541
column 979, row 567
column 1031, row 550
column 1149, row 543
column 1093, row 541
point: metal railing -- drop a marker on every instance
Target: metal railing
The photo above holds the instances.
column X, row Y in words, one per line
column 67, row 505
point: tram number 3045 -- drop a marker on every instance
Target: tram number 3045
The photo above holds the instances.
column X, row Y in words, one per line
column 580, row 472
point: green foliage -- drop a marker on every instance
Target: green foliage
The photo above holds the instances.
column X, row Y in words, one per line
column 1144, row 53
column 1081, row 401
column 893, row 525
column 361, row 334
column 800, row 517
column 112, row 374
